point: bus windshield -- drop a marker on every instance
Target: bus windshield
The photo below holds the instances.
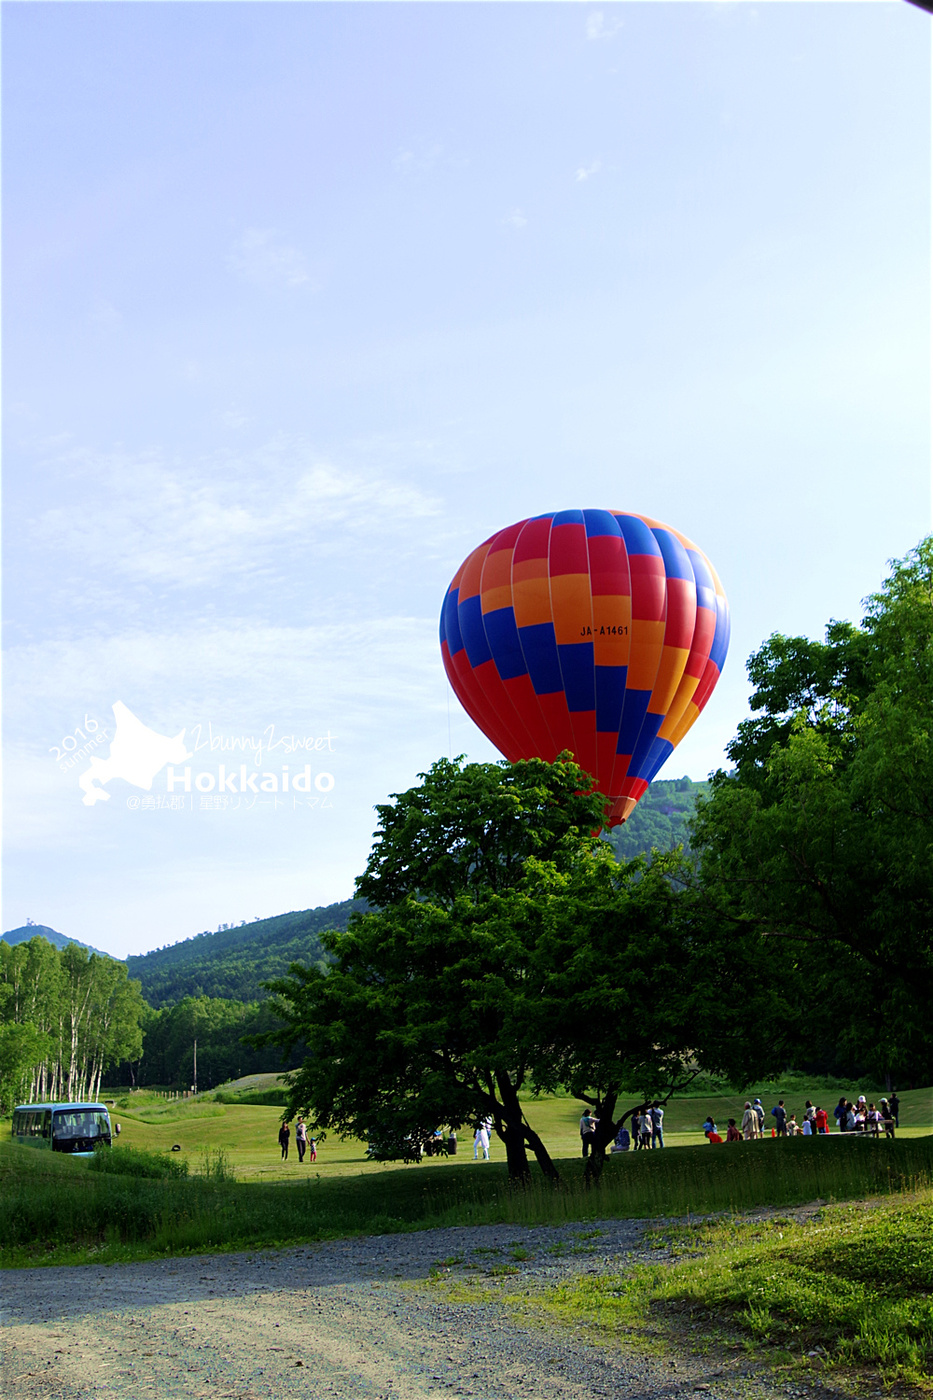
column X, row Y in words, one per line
column 81, row 1124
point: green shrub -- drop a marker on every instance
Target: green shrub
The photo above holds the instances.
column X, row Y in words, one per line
column 268, row 1098
column 132, row 1161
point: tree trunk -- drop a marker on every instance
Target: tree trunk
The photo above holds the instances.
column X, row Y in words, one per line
column 513, row 1133
column 542, row 1157
column 606, row 1129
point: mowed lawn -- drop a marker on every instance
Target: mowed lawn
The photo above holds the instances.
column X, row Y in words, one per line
column 248, row 1133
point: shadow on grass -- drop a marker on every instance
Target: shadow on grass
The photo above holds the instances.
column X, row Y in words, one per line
column 57, row 1211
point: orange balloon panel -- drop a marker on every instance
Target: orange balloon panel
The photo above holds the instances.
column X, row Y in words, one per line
column 590, row 630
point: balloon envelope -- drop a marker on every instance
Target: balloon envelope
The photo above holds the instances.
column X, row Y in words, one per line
column 595, row 631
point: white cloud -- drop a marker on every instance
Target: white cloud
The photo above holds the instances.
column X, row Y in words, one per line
column 418, row 159
column 262, row 258
column 515, row 220
column 586, row 172
column 169, row 522
column 343, row 675
column 597, row 26
column 374, row 686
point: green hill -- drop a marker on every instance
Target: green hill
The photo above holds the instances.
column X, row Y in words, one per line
column 51, row 935
column 660, row 819
column 234, row 962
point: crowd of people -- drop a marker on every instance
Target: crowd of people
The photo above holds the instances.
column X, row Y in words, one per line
column 647, row 1130
column 858, row 1117
column 647, row 1127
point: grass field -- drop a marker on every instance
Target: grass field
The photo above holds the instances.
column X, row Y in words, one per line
column 62, row 1210
column 247, row 1133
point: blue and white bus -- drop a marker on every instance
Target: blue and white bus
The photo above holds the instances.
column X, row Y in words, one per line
column 63, row 1127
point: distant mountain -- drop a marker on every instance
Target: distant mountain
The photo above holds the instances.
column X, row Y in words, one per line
column 234, row 962
column 58, row 940
column 660, row 819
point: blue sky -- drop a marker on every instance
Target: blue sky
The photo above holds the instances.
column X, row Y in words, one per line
column 303, row 301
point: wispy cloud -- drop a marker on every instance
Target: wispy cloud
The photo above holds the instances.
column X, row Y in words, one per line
column 586, row 172
column 598, row 27
column 234, row 418
column 515, row 220
column 146, row 517
column 419, row 158
column 263, row 258
column 355, row 680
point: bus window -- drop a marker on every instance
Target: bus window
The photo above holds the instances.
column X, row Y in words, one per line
column 79, row 1129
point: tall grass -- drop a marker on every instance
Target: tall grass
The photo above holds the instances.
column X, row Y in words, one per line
column 59, row 1206
column 847, row 1286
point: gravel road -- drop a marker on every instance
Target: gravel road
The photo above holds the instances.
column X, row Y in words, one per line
column 340, row 1319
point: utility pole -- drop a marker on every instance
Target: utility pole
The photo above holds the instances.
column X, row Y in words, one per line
column 195, row 1065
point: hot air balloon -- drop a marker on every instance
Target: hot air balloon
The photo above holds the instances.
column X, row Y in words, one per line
column 596, row 631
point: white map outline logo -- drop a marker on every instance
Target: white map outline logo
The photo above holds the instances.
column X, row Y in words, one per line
column 137, row 755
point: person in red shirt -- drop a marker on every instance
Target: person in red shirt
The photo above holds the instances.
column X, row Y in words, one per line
column 822, row 1120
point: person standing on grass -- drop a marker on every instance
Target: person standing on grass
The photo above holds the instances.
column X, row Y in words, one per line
column 793, row 1127
column 839, row 1113
column 657, row 1125
column 779, row 1113
column 285, row 1133
column 759, row 1108
column 733, row 1134
column 894, row 1104
column 301, row 1138
column 587, row 1132
column 481, row 1140
column 312, row 1149
column 636, row 1129
column 749, row 1123
column 822, row 1120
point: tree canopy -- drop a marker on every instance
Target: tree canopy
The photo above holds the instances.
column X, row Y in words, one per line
column 65, row 1015
column 821, row 840
column 507, row 954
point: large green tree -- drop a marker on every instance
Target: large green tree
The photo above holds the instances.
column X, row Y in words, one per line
column 506, row 953
column 820, row 842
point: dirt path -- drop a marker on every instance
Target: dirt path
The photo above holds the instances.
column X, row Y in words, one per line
column 339, row 1319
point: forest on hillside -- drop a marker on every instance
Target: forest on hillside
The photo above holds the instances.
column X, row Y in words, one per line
column 661, row 820
column 233, row 963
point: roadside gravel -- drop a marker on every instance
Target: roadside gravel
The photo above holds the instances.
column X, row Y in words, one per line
column 341, row 1319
